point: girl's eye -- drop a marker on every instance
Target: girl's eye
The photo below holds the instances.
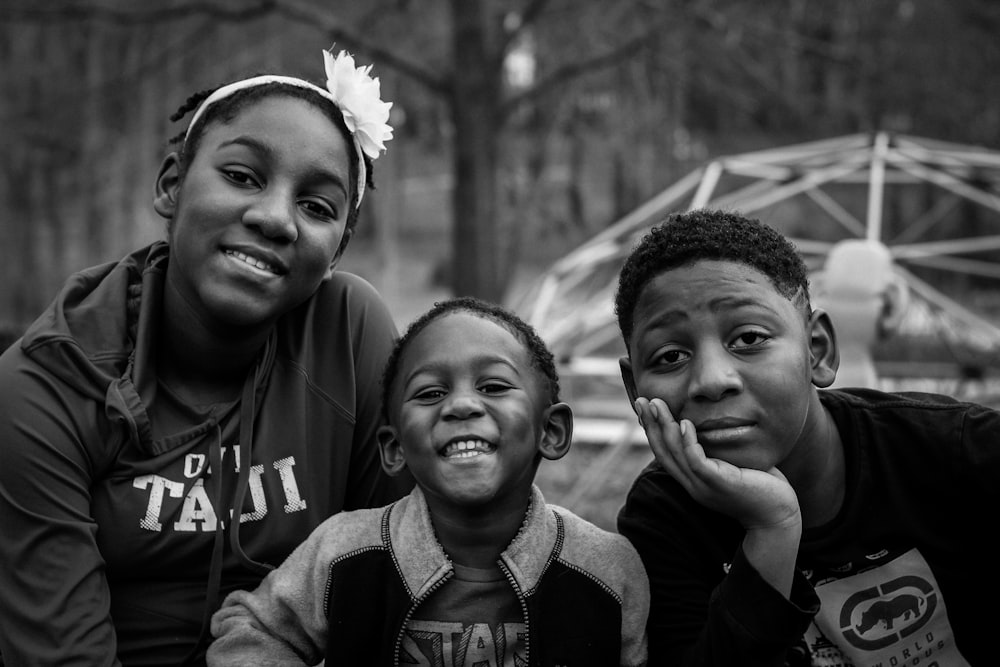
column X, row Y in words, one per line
column 318, row 208
column 240, row 176
column 750, row 339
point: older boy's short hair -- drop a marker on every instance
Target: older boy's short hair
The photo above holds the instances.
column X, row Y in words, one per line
column 541, row 357
column 685, row 238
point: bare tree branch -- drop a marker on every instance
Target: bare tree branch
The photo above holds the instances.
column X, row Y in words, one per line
column 306, row 12
column 131, row 17
column 578, row 68
column 303, row 12
column 527, row 17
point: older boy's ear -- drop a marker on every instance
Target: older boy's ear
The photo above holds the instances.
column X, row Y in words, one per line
column 823, row 352
column 625, row 364
column 391, row 451
column 168, row 180
column 558, row 434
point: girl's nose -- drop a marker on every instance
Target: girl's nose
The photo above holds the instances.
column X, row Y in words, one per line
column 273, row 215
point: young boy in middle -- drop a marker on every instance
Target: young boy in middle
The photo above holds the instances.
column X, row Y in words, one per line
column 473, row 567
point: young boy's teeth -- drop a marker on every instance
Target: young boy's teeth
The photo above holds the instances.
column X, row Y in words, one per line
column 466, row 449
column 252, row 261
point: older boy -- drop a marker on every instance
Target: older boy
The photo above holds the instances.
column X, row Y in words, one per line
column 472, row 568
column 784, row 523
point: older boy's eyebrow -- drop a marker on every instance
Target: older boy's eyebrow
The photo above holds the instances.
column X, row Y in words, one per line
column 717, row 304
column 734, row 302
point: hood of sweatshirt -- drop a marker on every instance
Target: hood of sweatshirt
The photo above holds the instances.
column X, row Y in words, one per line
column 99, row 336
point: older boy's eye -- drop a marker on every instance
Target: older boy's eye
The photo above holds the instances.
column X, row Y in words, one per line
column 750, row 339
column 670, row 357
column 494, row 387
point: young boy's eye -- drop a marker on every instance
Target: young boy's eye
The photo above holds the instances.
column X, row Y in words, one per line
column 494, row 387
column 430, row 394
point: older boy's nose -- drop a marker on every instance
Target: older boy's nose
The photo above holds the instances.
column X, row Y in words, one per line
column 714, row 375
column 272, row 213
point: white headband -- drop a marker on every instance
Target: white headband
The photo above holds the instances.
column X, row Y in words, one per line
column 355, row 94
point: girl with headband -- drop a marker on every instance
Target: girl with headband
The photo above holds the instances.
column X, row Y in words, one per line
column 178, row 421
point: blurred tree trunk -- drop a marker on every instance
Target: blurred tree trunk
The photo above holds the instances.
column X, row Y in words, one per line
column 475, row 105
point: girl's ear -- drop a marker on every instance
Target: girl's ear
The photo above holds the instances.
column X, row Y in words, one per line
column 558, row 434
column 168, row 180
column 391, row 451
column 823, row 354
column 348, row 233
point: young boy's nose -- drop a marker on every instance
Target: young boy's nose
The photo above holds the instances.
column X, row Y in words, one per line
column 272, row 213
column 714, row 375
column 462, row 405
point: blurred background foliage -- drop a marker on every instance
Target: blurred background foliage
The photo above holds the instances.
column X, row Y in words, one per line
column 523, row 126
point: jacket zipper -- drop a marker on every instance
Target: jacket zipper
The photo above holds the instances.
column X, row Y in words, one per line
column 524, row 610
column 409, row 614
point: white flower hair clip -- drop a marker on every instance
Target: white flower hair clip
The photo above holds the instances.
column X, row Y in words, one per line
column 355, row 93
column 359, row 98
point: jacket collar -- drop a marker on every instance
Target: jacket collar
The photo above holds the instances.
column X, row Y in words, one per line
column 422, row 563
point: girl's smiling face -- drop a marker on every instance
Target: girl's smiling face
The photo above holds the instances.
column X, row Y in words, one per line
column 257, row 222
column 470, row 415
column 724, row 349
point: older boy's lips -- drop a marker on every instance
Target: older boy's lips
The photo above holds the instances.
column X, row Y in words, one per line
column 720, row 431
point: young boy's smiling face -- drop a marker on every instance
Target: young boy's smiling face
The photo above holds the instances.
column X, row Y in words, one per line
column 470, row 414
column 724, row 349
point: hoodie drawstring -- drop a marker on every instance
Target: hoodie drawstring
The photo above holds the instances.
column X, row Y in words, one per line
column 247, row 405
column 215, row 567
column 212, row 594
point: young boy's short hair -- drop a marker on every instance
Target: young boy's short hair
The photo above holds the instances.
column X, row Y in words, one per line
column 541, row 357
column 685, row 238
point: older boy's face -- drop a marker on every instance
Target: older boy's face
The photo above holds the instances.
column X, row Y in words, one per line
column 719, row 344
column 471, row 413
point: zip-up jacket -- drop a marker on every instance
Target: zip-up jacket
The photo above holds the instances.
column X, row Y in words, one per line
column 348, row 592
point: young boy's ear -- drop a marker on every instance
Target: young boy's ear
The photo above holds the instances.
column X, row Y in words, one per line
column 558, row 434
column 823, row 354
column 168, row 179
column 391, row 451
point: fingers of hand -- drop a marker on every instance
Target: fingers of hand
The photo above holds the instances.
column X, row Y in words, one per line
column 664, row 436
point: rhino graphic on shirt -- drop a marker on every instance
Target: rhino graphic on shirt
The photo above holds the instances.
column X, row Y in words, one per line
column 887, row 611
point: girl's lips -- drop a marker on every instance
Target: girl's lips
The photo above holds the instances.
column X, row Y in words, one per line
column 253, row 262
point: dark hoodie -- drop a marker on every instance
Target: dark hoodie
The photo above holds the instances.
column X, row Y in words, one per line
column 114, row 528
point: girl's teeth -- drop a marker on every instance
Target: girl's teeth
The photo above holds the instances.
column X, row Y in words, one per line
column 252, row 261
